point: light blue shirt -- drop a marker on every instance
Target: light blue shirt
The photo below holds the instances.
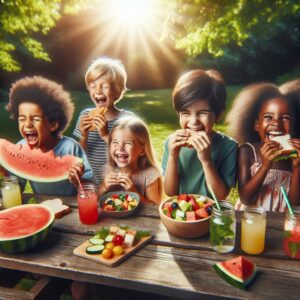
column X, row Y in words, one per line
column 66, row 146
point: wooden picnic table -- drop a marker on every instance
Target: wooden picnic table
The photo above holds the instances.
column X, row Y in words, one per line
column 179, row 268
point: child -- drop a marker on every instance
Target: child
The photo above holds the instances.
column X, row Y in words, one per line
column 196, row 155
column 131, row 164
column 43, row 111
column 259, row 113
column 131, row 167
column 106, row 82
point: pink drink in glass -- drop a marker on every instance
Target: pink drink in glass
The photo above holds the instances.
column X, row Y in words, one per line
column 291, row 234
column 88, row 204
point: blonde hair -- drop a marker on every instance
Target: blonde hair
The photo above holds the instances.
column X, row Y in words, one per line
column 139, row 129
column 113, row 68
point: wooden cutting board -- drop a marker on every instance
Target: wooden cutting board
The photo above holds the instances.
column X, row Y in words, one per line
column 116, row 259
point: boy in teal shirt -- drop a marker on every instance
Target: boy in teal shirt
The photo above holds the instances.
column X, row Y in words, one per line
column 196, row 155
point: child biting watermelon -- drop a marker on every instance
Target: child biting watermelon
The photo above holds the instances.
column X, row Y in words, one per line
column 43, row 111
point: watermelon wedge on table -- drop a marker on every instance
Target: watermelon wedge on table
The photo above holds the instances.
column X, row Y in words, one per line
column 25, row 226
column 239, row 271
column 33, row 164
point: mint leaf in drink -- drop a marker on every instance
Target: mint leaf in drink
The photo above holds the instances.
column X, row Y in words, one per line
column 294, row 248
column 221, row 230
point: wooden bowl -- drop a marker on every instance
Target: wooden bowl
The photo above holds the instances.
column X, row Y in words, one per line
column 119, row 214
column 184, row 229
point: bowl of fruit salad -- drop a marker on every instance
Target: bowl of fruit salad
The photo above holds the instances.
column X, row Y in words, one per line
column 186, row 215
column 120, row 204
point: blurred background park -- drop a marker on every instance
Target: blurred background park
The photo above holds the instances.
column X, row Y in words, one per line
column 157, row 40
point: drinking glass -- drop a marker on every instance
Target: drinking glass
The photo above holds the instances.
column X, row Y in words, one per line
column 222, row 227
column 253, row 230
column 87, row 204
column 11, row 193
column 291, row 234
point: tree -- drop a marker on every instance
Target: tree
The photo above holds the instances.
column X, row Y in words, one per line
column 199, row 26
column 22, row 22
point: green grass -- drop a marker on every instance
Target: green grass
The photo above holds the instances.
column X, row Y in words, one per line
column 153, row 106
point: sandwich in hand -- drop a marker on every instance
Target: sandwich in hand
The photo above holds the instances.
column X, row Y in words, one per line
column 287, row 150
column 96, row 112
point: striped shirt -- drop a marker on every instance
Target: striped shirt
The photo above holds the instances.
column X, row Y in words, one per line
column 96, row 147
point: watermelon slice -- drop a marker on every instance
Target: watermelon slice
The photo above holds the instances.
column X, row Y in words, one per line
column 239, row 271
column 33, row 164
column 25, row 226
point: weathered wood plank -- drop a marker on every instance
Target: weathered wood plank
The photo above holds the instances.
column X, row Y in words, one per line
column 273, row 246
column 164, row 270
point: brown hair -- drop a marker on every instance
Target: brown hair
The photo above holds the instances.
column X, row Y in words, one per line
column 291, row 90
column 200, row 85
column 55, row 102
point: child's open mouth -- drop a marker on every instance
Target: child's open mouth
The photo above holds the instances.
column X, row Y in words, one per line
column 32, row 138
column 122, row 158
column 272, row 134
column 100, row 100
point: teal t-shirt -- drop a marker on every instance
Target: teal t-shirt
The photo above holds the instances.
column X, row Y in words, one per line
column 191, row 174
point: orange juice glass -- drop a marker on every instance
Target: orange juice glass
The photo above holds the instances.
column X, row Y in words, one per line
column 253, row 230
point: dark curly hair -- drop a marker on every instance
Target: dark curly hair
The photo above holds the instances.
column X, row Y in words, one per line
column 198, row 85
column 291, row 90
column 246, row 107
column 55, row 102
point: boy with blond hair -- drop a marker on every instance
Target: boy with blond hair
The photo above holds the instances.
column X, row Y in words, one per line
column 106, row 82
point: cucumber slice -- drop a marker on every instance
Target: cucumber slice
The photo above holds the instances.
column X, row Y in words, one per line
column 95, row 249
column 96, row 241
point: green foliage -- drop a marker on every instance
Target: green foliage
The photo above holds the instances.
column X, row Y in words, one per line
column 22, row 21
column 220, row 232
column 198, row 26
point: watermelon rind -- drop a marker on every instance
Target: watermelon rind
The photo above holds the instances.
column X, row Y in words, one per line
column 232, row 279
column 27, row 242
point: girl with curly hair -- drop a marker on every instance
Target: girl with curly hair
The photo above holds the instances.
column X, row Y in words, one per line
column 260, row 113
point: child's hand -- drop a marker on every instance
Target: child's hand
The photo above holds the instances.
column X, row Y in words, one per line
column 202, row 144
column 126, row 182
column 101, row 125
column 110, row 180
column 85, row 124
column 296, row 145
column 75, row 173
column 177, row 140
column 268, row 152
column 3, row 172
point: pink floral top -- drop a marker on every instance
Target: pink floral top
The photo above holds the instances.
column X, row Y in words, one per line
column 270, row 197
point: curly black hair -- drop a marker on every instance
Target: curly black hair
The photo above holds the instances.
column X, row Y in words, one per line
column 55, row 102
column 198, row 85
column 246, row 107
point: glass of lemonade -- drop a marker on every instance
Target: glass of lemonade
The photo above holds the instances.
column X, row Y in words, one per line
column 253, row 230
column 222, row 228
column 291, row 234
column 11, row 193
column 87, row 204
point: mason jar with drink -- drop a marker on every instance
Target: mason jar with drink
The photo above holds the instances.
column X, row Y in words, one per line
column 253, row 230
column 11, row 193
column 291, row 233
column 223, row 227
column 87, row 203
